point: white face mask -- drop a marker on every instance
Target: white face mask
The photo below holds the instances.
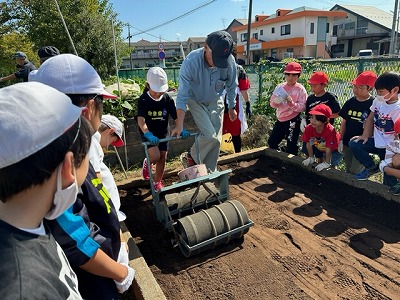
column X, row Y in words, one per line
column 382, row 98
column 63, row 199
column 158, row 99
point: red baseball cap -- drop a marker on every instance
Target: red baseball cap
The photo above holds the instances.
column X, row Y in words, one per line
column 318, row 77
column 397, row 126
column 365, row 78
column 321, row 110
column 293, row 68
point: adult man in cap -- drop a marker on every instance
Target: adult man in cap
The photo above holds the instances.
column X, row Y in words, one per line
column 204, row 75
column 44, row 54
column 24, row 67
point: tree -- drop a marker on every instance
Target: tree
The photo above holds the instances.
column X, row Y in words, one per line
column 9, row 44
column 89, row 23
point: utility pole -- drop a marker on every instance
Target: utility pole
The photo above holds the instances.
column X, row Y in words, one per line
column 129, row 45
column 397, row 33
column 392, row 36
column 248, row 33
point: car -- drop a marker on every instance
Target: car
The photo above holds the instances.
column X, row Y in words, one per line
column 365, row 53
column 305, row 58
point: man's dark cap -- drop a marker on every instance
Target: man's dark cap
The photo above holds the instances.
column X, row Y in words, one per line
column 19, row 54
column 221, row 44
column 47, row 52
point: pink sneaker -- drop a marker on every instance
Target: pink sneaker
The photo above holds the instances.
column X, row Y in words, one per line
column 158, row 186
column 145, row 170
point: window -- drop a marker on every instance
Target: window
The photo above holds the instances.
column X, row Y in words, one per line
column 261, row 32
column 289, row 50
column 362, row 26
column 349, row 26
column 339, row 48
column 243, row 37
column 335, row 29
column 273, row 30
column 285, row 29
column 255, row 35
column 327, row 27
column 312, row 28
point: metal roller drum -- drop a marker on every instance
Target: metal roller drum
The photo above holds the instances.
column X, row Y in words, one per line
column 215, row 226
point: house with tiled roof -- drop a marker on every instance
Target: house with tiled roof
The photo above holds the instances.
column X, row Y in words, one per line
column 235, row 23
column 195, row 43
column 366, row 27
column 300, row 32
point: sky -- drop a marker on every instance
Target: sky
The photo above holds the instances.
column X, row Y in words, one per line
column 177, row 20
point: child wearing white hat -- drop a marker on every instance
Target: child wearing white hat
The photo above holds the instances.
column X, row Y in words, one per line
column 43, row 161
column 155, row 107
column 89, row 233
column 111, row 131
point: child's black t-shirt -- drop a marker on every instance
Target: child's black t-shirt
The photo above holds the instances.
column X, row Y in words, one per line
column 328, row 99
column 355, row 113
column 156, row 113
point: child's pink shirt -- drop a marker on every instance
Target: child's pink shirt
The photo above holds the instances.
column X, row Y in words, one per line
column 284, row 111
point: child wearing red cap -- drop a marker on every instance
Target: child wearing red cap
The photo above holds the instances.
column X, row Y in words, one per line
column 378, row 130
column 320, row 139
column 318, row 82
column 354, row 112
column 289, row 100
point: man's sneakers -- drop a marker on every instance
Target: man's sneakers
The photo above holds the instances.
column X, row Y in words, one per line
column 186, row 160
column 366, row 173
column 158, row 186
column 145, row 170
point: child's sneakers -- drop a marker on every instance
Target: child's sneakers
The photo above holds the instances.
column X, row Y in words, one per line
column 158, row 186
column 395, row 190
column 186, row 160
column 366, row 173
column 145, row 170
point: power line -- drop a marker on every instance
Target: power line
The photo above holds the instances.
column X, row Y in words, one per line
column 176, row 18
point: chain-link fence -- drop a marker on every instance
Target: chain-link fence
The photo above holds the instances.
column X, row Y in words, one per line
column 340, row 71
column 264, row 77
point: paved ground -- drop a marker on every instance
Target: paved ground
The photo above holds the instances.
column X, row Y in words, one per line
column 313, row 238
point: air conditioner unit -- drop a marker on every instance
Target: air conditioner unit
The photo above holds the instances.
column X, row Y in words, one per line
column 287, row 55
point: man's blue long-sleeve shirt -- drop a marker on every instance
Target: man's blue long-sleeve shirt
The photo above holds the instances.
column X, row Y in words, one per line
column 199, row 82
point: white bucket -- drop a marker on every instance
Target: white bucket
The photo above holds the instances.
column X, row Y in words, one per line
column 193, row 172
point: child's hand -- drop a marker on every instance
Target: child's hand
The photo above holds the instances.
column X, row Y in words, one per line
column 303, row 124
column 322, row 166
column 289, row 101
column 308, row 161
column 358, row 138
column 384, row 163
column 153, row 140
column 124, row 285
column 340, row 146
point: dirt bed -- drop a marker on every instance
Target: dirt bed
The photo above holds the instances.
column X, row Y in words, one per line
column 313, row 239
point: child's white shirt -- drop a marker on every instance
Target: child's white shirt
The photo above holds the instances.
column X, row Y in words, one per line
column 384, row 117
column 96, row 156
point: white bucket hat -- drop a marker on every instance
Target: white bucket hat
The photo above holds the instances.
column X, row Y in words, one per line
column 71, row 74
column 32, row 116
column 157, row 79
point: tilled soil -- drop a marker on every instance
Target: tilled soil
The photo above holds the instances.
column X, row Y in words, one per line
column 313, row 238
